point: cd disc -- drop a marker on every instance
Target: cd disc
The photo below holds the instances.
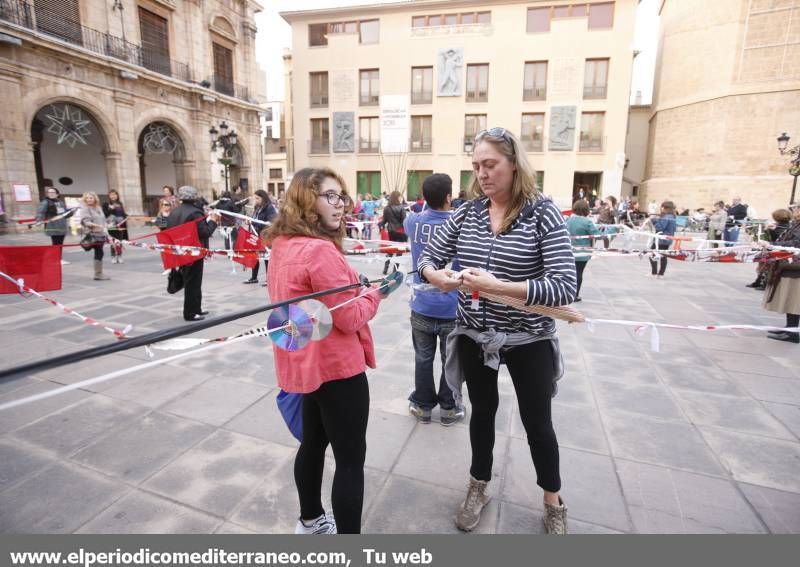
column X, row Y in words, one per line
column 292, row 326
column 320, row 317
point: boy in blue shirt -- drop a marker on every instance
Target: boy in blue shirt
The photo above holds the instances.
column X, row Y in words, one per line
column 433, row 313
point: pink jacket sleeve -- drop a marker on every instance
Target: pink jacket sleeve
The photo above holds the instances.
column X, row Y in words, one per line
column 331, row 270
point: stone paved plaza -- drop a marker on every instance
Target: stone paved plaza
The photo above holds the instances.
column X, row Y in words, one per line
column 703, row 436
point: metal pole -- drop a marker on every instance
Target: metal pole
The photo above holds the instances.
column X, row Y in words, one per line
column 17, row 372
column 794, row 185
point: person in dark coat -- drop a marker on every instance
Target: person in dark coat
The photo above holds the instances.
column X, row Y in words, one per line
column 265, row 211
column 190, row 210
column 116, row 218
column 53, row 206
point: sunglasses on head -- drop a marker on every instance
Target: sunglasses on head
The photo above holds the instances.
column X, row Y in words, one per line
column 494, row 133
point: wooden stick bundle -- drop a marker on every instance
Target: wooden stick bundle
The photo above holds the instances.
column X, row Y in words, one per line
column 565, row 313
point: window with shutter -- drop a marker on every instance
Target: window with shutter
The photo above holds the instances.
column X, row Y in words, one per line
column 223, row 69
column 59, row 18
column 155, row 41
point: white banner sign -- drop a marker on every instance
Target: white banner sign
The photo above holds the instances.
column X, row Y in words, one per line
column 394, row 123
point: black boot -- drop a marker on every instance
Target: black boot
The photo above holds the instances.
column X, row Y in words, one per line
column 386, row 267
column 786, row 337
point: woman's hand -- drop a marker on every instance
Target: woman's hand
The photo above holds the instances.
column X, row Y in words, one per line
column 480, row 280
column 446, row 280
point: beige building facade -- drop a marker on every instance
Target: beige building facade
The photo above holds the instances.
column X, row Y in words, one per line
column 275, row 161
column 557, row 74
column 122, row 94
column 636, row 149
column 727, row 85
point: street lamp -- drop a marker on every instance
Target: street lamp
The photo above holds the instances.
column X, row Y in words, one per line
column 794, row 168
column 226, row 141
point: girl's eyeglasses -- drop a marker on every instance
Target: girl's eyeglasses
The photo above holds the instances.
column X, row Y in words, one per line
column 334, row 198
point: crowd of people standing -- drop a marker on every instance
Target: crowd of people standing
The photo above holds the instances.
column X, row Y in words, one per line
column 508, row 240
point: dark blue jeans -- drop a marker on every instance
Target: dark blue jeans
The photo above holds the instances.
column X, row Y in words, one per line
column 731, row 235
column 424, row 333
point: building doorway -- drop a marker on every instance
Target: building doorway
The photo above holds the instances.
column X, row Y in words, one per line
column 587, row 185
column 160, row 151
column 68, row 150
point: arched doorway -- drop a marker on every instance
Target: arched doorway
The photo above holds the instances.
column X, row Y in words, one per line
column 69, row 150
column 160, row 151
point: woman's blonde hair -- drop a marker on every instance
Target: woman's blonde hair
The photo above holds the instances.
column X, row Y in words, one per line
column 90, row 194
column 523, row 186
column 298, row 215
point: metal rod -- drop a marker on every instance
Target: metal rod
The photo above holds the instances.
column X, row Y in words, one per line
column 17, row 372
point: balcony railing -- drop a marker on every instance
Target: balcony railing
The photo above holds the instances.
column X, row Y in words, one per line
column 537, row 93
column 533, row 144
column 16, row 12
column 316, row 146
column 224, row 85
column 368, row 146
column 368, row 100
column 591, row 144
column 48, row 23
column 420, row 146
column 24, row 14
column 596, row 91
column 273, row 146
column 424, row 97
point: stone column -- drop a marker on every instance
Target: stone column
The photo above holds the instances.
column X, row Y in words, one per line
column 126, row 175
column 200, row 170
column 16, row 149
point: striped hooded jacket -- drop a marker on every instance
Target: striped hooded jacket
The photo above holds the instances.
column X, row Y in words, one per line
column 536, row 249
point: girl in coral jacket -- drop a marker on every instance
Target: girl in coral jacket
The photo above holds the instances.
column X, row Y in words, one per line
column 306, row 256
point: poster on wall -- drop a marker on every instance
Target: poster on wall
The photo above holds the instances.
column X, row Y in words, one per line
column 22, row 193
column 394, row 123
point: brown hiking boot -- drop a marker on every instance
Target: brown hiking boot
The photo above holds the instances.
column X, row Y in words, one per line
column 469, row 513
column 555, row 518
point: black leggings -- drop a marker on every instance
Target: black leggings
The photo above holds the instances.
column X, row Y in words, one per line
column 254, row 272
column 792, row 320
column 98, row 250
column 654, row 265
column 57, row 239
column 532, row 372
column 336, row 413
column 579, row 267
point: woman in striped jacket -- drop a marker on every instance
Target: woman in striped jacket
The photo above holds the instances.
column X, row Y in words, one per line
column 512, row 242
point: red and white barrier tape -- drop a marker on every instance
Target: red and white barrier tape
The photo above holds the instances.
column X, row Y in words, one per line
column 240, row 216
column 23, row 289
column 641, row 327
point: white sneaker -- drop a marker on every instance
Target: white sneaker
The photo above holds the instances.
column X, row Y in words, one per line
column 113, row 259
column 323, row 525
column 65, row 263
column 120, row 260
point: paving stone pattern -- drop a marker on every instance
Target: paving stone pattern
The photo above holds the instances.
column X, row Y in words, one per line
column 700, row 437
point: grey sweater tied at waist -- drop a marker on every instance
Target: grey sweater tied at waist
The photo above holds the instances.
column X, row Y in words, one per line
column 492, row 344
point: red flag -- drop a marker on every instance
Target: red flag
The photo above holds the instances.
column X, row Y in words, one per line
column 38, row 266
column 181, row 235
column 246, row 240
